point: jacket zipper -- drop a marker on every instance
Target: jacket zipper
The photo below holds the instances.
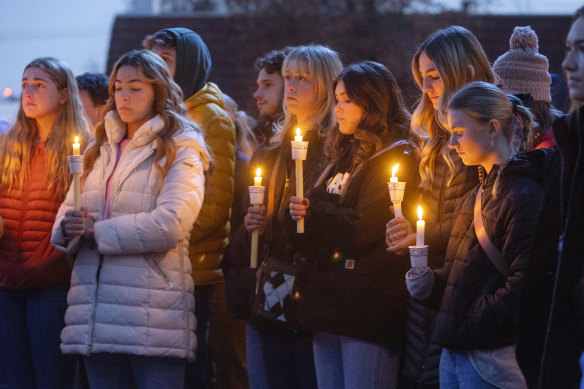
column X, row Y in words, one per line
column 90, row 347
column 155, row 266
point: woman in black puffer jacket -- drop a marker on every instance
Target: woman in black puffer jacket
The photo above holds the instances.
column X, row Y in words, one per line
column 476, row 322
column 444, row 180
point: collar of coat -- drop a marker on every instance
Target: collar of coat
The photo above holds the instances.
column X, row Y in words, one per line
column 190, row 136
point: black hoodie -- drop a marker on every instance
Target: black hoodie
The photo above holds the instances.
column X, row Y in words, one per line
column 193, row 61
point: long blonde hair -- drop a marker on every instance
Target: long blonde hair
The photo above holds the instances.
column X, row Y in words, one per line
column 452, row 50
column 167, row 104
column 17, row 146
column 324, row 65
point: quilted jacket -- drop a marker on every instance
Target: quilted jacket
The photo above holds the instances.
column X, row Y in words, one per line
column 210, row 232
column 131, row 288
column 27, row 259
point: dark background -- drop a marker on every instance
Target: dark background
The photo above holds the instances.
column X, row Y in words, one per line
column 236, row 41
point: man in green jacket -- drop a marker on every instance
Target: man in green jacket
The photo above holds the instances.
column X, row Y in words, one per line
column 189, row 62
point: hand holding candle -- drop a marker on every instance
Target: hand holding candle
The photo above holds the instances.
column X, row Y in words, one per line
column 256, row 197
column 396, row 191
column 299, row 151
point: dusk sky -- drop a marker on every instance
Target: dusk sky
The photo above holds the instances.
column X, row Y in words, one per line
column 78, row 31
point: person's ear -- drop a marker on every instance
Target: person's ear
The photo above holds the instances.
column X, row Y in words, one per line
column 63, row 96
column 494, row 127
column 470, row 72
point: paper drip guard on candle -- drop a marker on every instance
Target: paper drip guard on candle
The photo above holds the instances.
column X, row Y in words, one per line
column 75, row 164
column 419, row 255
column 256, row 194
column 396, row 193
column 299, row 150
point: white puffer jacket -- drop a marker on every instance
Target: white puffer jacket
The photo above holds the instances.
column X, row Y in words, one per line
column 131, row 290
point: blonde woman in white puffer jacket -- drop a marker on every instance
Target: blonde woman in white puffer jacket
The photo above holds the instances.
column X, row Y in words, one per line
column 131, row 305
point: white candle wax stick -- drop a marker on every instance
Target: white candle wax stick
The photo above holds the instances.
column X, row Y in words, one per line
column 253, row 262
column 397, row 209
column 76, row 192
column 299, row 192
column 420, row 226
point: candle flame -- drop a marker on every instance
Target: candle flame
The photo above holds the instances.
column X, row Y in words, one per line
column 298, row 132
column 420, row 212
column 76, row 140
column 394, row 170
column 259, row 172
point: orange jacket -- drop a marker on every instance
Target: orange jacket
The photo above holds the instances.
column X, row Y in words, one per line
column 27, row 259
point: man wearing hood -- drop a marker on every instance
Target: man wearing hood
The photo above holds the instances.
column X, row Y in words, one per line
column 189, row 62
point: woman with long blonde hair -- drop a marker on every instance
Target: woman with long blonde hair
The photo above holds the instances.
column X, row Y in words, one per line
column 309, row 73
column 131, row 304
column 34, row 179
column 447, row 60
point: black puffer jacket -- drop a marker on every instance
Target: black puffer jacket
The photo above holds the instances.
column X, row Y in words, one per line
column 355, row 287
column 479, row 304
column 557, row 272
column 422, row 356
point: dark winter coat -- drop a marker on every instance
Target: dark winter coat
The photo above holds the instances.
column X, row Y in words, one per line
column 421, row 355
column 479, row 304
column 557, row 269
column 355, row 287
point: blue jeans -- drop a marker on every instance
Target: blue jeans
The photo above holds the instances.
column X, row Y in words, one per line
column 457, row 372
column 582, row 370
column 343, row 362
column 123, row 371
column 255, row 362
column 288, row 359
column 31, row 321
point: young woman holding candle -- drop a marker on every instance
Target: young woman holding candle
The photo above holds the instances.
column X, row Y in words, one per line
column 34, row 277
column 309, row 72
column 131, row 305
column 444, row 62
column 356, row 299
column 489, row 247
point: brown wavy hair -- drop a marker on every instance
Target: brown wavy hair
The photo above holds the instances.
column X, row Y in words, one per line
column 372, row 87
column 18, row 145
column 167, row 104
column 452, row 50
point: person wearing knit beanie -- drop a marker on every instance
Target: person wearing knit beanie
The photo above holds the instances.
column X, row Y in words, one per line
column 524, row 70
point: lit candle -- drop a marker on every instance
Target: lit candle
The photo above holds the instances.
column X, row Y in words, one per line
column 256, row 197
column 393, row 171
column 257, row 181
column 76, row 147
column 298, row 137
column 396, row 192
column 420, row 226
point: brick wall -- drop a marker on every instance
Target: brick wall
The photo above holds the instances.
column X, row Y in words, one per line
column 235, row 42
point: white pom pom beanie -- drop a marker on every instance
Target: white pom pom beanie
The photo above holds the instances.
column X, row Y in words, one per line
column 522, row 69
